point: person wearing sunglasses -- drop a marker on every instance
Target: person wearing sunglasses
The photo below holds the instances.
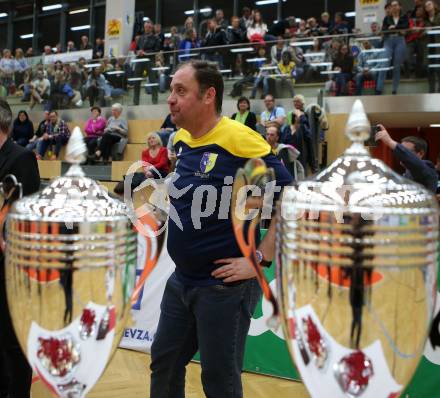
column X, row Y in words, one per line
column 15, row 373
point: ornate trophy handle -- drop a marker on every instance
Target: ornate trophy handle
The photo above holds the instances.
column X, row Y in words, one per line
column 255, row 174
column 11, row 190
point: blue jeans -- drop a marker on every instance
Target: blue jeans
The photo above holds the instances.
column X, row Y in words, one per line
column 378, row 76
column 212, row 319
column 341, row 83
column 258, row 81
column 58, row 141
column 395, row 47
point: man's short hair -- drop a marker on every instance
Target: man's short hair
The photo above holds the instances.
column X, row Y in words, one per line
column 53, row 111
column 5, row 117
column 208, row 75
column 420, row 145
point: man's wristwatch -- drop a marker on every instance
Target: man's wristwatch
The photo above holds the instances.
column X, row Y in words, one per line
column 261, row 260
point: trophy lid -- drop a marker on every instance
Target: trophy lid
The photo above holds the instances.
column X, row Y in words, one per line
column 358, row 183
column 72, row 198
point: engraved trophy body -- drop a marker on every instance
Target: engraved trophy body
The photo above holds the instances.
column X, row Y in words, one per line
column 71, row 256
column 356, row 268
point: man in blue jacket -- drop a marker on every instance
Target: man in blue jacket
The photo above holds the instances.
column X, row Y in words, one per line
column 410, row 153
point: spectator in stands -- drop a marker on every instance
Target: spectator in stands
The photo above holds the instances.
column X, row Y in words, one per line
column 302, row 31
column 22, row 129
column 365, row 69
column 394, row 39
column 410, row 154
column 147, row 43
column 432, row 18
column 287, row 154
column 298, row 57
column 283, row 28
column 220, row 19
column 47, row 50
column 98, row 50
column 85, row 45
column 263, row 78
column 258, row 29
column 340, row 27
column 29, row 52
column 7, row 68
column 116, row 129
column 70, row 46
column 57, row 133
column 61, row 94
column 187, row 44
column 20, row 67
column 94, row 129
column 313, row 27
column 215, row 36
column 272, row 113
column 159, row 34
column 416, row 44
column 278, row 49
column 166, row 130
column 325, row 26
column 41, row 129
column 58, row 48
column 189, row 24
column 40, row 89
column 375, row 31
column 287, row 72
column 235, row 35
column 95, row 87
column 343, row 65
column 314, row 56
column 246, row 18
column 244, row 114
column 297, row 133
column 155, row 163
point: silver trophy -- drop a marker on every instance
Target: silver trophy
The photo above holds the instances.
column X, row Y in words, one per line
column 356, row 273
column 71, row 255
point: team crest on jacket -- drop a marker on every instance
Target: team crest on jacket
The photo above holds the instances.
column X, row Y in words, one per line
column 208, row 162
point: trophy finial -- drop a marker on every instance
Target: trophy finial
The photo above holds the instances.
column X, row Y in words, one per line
column 358, row 125
column 76, row 152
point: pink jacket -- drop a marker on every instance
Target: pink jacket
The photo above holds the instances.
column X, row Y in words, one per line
column 95, row 128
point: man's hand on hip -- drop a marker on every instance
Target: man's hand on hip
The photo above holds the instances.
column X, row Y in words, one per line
column 234, row 269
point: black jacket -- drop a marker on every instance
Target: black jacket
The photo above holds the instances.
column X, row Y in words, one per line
column 251, row 120
column 212, row 39
column 149, row 43
column 22, row 163
column 418, row 170
column 402, row 23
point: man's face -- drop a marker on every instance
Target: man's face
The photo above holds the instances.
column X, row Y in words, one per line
column 46, row 116
column 272, row 135
column 53, row 117
column 185, row 101
column 148, row 27
column 269, row 102
column 411, row 147
column 297, row 104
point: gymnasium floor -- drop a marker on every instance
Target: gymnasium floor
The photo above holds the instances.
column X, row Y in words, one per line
column 128, row 377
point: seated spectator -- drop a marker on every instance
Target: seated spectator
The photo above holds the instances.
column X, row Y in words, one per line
column 163, row 73
column 313, row 56
column 41, row 129
column 312, row 27
column 116, row 129
column 287, row 154
column 21, row 67
column 57, row 133
column 263, row 75
column 85, row 45
column 410, row 154
column 375, row 31
column 40, row 89
column 155, row 163
column 325, row 26
column 61, row 94
column 7, row 68
column 98, row 50
column 343, row 65
column 215, row 36
column 272, row 113
column 166, row 130
column 47, row 50
column 187, row 44
column 278, row 49
column 302, row 31
column 365, row 68
column 70, row 47
column 95, row 87
column 94, row 129
column 299, row 59
column 22, row 129
column 287, row 72
column 283, row 28
column 340, row 27
column 258, row 29
column 244, row 114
